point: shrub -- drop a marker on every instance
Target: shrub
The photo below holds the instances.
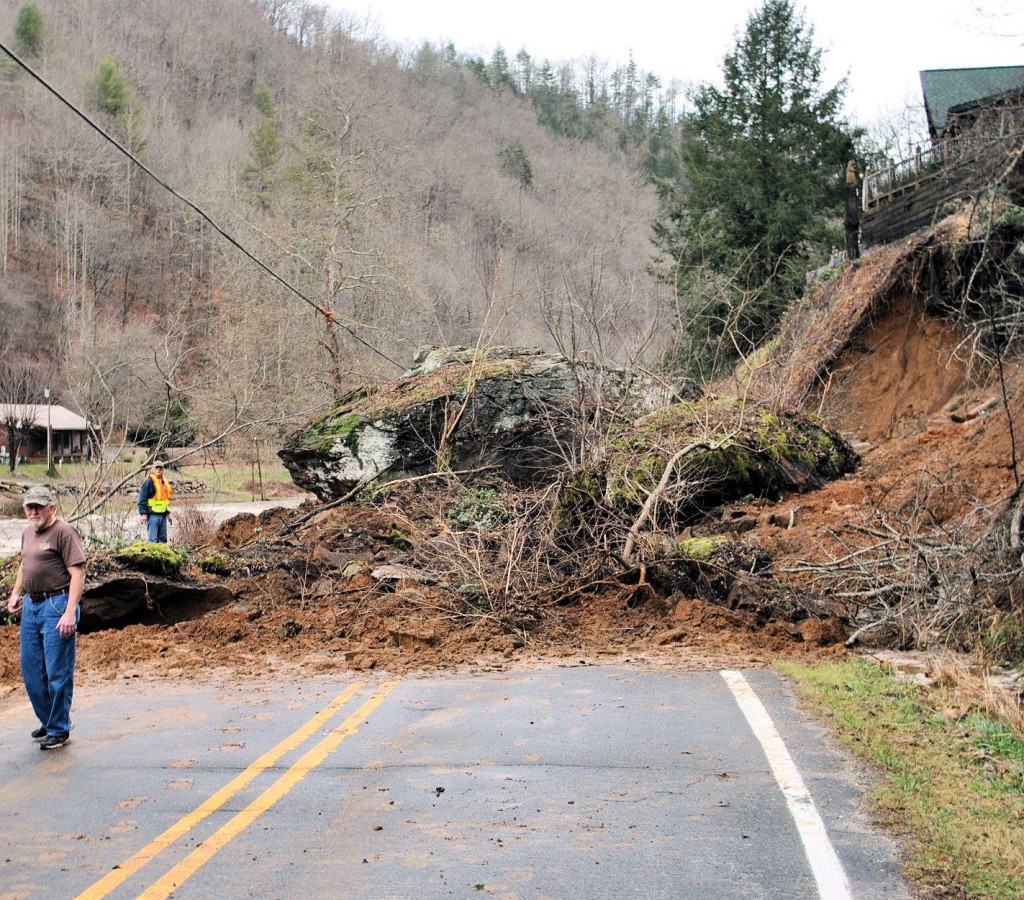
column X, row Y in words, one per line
column 193, row 527
column 10, row 508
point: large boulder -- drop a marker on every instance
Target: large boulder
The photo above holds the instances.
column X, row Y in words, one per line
column 694, row 455
column 732, row 448
column 514, row 409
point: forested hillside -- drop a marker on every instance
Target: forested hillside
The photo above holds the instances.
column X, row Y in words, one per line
column 408, row 199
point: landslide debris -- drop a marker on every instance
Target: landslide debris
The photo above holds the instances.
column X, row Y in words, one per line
column 644, row 547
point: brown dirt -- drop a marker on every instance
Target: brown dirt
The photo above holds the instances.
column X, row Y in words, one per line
column 903, row 391
column 281, row 618
column 897, row 387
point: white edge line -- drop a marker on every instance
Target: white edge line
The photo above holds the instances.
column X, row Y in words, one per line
column 828, row 870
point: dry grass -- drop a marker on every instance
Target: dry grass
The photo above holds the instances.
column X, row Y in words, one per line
column 817, row 330
column 972, row 687
column 193, row 527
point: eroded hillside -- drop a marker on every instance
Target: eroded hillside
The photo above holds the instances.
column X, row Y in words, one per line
column 918, row 538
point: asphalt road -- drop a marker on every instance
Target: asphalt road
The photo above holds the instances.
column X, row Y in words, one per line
column 588, row 781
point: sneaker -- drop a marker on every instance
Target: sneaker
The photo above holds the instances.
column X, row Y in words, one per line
column 39, row 733
column 55, row 741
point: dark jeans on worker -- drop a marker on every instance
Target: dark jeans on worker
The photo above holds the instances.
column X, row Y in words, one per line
column 48, row 661
column 157, row 525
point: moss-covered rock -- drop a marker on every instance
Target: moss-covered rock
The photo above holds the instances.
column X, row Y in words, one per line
column 521, row 412
column 478, row 507
column 215, row 563
column 737, row 449
column 399, row 539
column 702, row 549
column 160, row 559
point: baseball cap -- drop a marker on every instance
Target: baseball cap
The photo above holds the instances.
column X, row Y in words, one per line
column 38, row 494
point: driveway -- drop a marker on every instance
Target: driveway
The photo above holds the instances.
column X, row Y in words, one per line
column 131, row 528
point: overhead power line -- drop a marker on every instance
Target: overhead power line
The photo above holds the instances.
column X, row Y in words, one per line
column 328, row 314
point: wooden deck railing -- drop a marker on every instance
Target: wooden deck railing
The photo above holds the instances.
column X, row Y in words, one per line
column 927, row 162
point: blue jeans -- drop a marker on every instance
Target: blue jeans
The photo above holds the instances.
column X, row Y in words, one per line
column 157, row 525
column 48, row 662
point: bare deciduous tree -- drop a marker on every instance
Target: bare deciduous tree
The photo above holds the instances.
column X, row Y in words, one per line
column 21, row 388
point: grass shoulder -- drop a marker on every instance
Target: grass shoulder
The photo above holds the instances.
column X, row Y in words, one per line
column 953, row 776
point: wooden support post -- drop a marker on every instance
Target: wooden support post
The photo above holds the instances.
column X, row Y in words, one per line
column 852, row 221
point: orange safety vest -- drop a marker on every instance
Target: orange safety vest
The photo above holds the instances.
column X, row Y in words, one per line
column 160, row 502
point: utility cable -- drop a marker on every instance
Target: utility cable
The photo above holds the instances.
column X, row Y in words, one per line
column 328, row 314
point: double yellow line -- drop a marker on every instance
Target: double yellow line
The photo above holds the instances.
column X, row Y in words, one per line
column 242, row 820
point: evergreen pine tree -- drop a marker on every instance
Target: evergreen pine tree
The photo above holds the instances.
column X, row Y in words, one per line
column 265, row 151
column 29, row 32
column 761, row 186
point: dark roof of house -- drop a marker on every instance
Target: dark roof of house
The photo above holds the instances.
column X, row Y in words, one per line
column 948, row 89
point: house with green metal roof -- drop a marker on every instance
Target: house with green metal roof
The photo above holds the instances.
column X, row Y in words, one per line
column 976, row 122
column 953, row 98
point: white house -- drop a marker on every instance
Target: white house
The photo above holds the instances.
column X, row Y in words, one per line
column 69, row 432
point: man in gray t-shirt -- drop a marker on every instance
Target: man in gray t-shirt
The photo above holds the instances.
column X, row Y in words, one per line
column 47, row 591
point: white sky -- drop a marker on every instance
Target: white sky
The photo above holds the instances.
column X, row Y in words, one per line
column 880, row 44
